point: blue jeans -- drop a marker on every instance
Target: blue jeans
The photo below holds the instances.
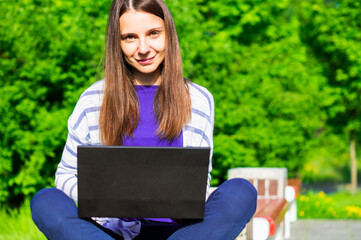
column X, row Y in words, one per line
column 227, row 211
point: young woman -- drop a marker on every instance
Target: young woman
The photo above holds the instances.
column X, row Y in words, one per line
column 143, row 101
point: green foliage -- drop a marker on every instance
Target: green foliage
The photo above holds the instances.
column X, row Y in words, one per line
column 284, row 75
column 268, row 92
column 327, row 163
column 50, row 51
column 333, row 33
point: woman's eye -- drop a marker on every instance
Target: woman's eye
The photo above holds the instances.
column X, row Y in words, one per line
column 128, row 37
column 154, row 33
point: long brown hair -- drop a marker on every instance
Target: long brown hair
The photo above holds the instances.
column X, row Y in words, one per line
column 119, row 113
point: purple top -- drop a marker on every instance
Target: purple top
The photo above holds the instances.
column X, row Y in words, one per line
column 145, row 133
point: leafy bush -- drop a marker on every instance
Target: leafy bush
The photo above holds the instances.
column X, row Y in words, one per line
column 277, row 97
column 49, row 52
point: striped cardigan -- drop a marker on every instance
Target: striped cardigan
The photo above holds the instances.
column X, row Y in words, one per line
column 83, row 129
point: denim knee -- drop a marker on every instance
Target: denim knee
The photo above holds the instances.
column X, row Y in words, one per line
column 46, row 209
column 241, row 197
column 242, row 188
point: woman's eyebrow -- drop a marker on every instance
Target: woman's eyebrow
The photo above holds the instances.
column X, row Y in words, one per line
column 149, row 30
column 155, row 29
column 127, row 33
column 124, row 35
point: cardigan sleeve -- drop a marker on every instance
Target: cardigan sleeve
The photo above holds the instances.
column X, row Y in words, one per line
column 209, row 133
column 199, row 131
column 78, row 134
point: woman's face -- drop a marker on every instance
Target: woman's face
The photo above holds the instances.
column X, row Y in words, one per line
column 142, row 40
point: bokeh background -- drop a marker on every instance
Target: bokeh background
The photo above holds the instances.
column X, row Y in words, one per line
column 285, row 76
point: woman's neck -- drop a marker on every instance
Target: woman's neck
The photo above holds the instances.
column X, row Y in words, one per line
column 153, row 78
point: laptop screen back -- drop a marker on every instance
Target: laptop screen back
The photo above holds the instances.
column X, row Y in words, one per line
column 142, row 182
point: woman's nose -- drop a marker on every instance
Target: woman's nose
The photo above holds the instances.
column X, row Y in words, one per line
column 143, row 46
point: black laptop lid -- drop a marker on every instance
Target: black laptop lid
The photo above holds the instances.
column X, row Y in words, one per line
column 142, row 182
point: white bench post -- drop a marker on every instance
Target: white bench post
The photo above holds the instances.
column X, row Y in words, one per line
column 266, row 174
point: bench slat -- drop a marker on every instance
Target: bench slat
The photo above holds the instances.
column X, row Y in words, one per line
column 273, row 210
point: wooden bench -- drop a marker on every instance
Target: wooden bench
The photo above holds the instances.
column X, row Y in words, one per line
column 269, row 220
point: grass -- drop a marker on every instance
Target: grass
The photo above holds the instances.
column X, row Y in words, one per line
column 341, row 205
column 343, row 199
column 18, row 225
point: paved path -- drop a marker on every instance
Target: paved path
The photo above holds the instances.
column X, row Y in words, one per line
column 326, row 229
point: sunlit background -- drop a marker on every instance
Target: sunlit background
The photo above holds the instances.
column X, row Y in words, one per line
column 285, row 76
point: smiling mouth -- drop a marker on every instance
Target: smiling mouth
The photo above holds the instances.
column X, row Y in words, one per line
column 145, row 61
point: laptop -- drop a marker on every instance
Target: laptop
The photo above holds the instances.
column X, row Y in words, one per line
column 142, row 182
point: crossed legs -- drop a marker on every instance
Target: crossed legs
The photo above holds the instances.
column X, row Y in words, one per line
column 227, row 212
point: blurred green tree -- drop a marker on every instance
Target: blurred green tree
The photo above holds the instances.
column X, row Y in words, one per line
column 332, row 30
